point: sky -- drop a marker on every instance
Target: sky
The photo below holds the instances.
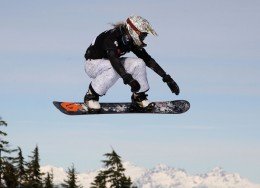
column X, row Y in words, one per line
column 210, row 48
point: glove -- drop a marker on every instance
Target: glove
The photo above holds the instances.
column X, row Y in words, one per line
column 171, row 84
column 128, row 79
column 135, row 86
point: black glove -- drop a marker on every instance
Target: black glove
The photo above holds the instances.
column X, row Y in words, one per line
column 171, row 84
column 128, row 79
column 135, row 86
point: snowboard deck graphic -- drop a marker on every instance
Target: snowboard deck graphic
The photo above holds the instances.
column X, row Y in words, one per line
column 163, row 107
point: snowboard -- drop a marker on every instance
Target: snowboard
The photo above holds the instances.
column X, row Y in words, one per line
column 163, row 107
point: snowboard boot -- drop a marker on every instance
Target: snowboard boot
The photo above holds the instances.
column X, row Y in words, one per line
column 140, row 102
column 91, row 100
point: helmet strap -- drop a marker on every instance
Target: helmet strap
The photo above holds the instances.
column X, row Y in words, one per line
column 133, row 26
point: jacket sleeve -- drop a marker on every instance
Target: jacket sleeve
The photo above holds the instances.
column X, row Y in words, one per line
column 111, row 52
column 149, row 61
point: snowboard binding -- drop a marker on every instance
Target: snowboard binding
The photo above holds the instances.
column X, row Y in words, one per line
column 140, row 103
column 91, row 101
column 136, row 108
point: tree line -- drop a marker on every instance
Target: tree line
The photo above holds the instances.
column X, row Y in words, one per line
column 16, row 172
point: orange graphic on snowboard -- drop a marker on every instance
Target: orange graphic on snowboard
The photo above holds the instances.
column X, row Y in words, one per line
column 71, row 107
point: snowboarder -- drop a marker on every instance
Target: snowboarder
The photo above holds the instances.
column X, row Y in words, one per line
column 105, row 65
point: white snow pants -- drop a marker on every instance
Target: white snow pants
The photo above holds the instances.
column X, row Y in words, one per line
column 104, row 76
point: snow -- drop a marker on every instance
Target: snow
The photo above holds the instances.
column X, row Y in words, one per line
column 163, row 176
column 59, row 173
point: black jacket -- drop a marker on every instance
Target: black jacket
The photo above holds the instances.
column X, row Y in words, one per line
column 114, row 43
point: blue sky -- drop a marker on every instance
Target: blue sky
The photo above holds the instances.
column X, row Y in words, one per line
column 211, row 48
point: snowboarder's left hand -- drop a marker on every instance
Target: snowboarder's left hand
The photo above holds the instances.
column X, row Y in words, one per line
column 171, row 84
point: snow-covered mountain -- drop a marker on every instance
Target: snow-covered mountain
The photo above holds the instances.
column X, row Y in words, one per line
column 163, row 176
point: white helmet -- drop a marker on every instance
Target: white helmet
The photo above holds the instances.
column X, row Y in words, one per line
column 138, row 28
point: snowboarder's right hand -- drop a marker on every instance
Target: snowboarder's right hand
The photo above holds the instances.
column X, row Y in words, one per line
column 128, row 79
column 135, row 86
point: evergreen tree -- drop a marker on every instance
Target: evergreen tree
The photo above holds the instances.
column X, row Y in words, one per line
column 99, row 181
column 113, row 175
column 71, row 181
column 4, row 150
column 20, row 166
column 115, row 171
column 10, row 175
column 33, row 170
column 48, row 181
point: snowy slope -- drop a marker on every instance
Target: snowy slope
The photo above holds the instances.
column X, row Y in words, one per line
column 163, row 176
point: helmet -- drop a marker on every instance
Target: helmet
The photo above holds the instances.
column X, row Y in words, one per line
column 138, row 28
